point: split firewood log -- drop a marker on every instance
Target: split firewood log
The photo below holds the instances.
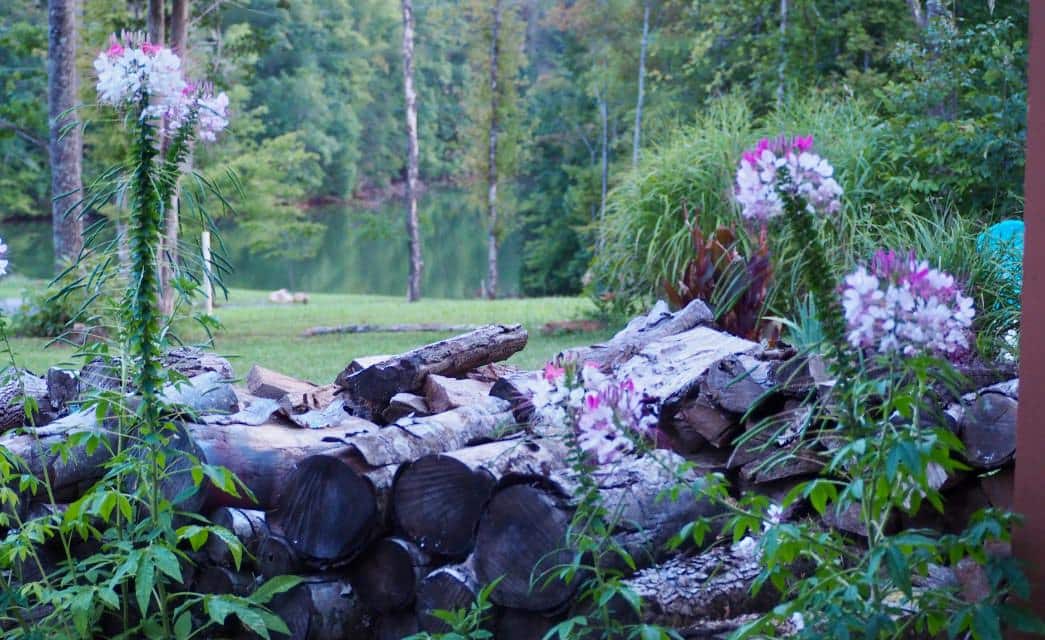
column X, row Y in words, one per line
column 265, row 383
column 659, row 323
column 444, row 393
column 403, row 405
column 387, row 574
column 368, row 391
column 396, row 625
column 438, row 499
column 13, row 396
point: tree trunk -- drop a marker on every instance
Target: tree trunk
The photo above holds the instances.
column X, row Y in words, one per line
column 322, row 609
column 605, row 161
column 637, row 138
column 782, row 63
column 369, row 391
column 438, row 499
column 155, row 25
column 491, row 170
column 65, row 145
column 169, row 260
column 412, row 227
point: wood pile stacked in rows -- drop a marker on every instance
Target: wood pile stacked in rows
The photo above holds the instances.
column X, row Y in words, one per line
column 411, row 481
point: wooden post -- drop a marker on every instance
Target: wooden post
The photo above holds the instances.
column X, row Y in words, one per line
column 1030, row 436
column 208, row 286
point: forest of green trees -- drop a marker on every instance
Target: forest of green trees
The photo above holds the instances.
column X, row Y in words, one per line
column 587, row 92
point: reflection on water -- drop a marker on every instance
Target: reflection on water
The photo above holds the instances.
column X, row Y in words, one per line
column 362, row 251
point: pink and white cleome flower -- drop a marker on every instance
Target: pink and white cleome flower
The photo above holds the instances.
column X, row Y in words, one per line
column 759, row 188
column 899, row 304
column 127, row 73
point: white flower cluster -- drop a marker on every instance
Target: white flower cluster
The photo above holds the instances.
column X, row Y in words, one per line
column 607, row 414
column 127, row 74
column 3, row 258
column 758, row 186
column 901, row 305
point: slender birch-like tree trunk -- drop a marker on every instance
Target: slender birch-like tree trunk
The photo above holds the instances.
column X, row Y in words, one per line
column 637, row 138
column 782, row 68
column 179, row 31
column 410, row 95
column 491, row 173
column 155, row 23
column 65, row 145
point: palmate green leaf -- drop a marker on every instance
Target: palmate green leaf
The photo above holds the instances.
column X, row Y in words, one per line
column 167, row 562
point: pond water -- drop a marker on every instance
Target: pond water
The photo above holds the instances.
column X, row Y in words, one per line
column 362, row 251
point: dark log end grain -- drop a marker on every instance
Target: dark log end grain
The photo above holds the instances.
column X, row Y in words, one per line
column 326, row 511
column 522, row 539
column 396, row 626
column 516, row 624
column 275, row 557
column 449, row 588
column 438, row 501
column 988, row 429
column 386, row 576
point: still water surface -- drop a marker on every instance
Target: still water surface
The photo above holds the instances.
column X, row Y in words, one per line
column 362, row 251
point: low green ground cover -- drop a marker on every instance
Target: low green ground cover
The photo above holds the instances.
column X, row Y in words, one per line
column 257, row 331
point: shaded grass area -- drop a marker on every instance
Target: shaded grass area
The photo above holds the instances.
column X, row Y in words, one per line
column 256, row 331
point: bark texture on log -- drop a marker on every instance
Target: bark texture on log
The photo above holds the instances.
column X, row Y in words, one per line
column 419, row 327
column 370, row 390
column 387, row 575
column 444, row 394
column 659, row 323
column 326, row 511
column 714, row 585
column 438, row 499
column 13, row 397
column 522, row 532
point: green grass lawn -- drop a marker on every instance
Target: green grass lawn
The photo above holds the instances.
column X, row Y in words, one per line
column 256, row 331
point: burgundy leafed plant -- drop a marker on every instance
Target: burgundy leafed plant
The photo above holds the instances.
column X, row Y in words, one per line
column 734, row 286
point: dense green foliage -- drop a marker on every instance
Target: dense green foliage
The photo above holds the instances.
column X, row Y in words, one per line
column 316, row 89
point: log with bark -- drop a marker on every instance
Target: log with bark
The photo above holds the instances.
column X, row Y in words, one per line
column 438, row 499
column 448, row 588
column 517, row 624
column 444, row 393
column 248, row 525
column 39, row 448
column 423, row 327
column 13, row 397
column 522, row 533
column 716, row 585
column 659, row 323
column 265, row 383
column 325, row 510
column 396, row 625
column 368, row 392
column 387, row 575
column 988, row 429
column 322, row 608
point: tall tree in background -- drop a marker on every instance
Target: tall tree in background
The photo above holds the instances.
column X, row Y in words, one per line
column 497, row 50
column 179, row 41
column 412, row 228
column 491, row 169
column 155, row 24
column 66, row 142
column 643, row 47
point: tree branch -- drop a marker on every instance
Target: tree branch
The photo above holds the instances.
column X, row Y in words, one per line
column 23, row 133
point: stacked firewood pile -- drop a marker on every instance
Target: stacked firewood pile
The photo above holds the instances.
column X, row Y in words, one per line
column 411, row 481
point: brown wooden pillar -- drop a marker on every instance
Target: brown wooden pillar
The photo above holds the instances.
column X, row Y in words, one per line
column 1029, row 540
